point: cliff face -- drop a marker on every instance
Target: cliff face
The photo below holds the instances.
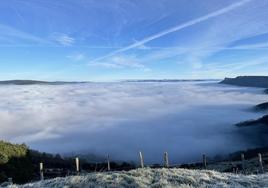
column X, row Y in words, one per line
column 248, row 81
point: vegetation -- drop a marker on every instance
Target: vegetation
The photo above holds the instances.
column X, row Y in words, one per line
column 15, row 162
column 250, row 153
column 8, row 151
column 22, row 164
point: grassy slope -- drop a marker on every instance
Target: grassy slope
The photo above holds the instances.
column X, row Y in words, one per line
column 155, row 178
column 251, row 165
column 22, row 164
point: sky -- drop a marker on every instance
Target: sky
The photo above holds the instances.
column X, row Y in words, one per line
column 106, row 40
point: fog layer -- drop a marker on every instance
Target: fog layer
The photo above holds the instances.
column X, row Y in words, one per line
column 185, row 119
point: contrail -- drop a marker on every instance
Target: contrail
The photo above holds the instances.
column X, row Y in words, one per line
column 176, row 28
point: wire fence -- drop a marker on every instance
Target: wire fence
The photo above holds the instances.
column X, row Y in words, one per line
column 241, row 166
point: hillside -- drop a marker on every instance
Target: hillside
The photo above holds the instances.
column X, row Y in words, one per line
column 255, row 130
column 154, row 178
column 261, row 121
column 15, row 162
column 22, row 164
column 171, row 80
column 248, row 81
column 8, row 151
column 262, row 106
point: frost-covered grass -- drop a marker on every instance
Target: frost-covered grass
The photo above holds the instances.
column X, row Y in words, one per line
column 251, row 165
column 154, row 178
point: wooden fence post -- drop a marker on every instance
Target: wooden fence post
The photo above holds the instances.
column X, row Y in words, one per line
column 96, row 167
column 108, row 163
column 141, row 159
column 260, row 163
column 204, row 161
column 166, row 163
column 10, row 181
column 77, row 165
column 41, row 167
column 243, row 162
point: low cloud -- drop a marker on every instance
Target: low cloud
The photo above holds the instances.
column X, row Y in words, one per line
column 185, row 119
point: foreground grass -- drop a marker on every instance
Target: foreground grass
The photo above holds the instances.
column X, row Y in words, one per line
column 153, row 178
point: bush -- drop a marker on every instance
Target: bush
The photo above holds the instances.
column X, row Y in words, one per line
column 3, row 158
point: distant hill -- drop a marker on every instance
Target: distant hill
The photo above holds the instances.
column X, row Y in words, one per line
column 255, row 131
column 32, row 82
column 261, row 107
column 248, row 81
column 261, row 121
column 38, row 82
column 171, row 80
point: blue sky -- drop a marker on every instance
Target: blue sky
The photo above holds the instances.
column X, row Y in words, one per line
column 132, row 39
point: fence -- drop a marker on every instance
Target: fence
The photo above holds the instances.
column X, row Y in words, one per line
column 240, row 167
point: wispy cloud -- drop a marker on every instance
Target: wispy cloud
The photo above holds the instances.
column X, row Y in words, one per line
column 235, row 65
column 76, row 57
column 121, row 61
column 255, row 46
column 176, row 28
column 186, row 42
column 63, row 39
column 226, row 31
column 221, row 35
column 13, row 36
column 231, row 69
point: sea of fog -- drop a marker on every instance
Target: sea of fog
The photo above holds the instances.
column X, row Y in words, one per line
column 185, row 119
